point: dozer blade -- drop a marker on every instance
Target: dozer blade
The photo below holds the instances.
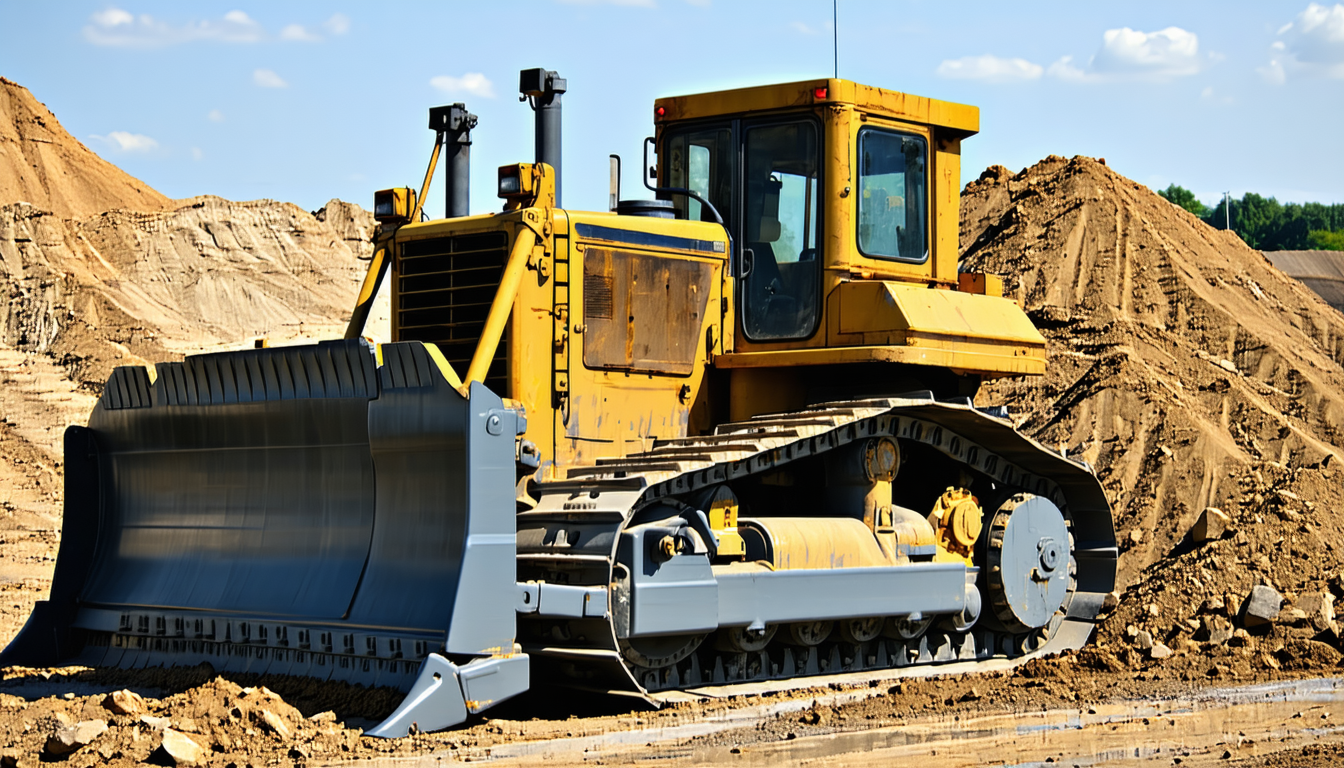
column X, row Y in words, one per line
column 303, row 511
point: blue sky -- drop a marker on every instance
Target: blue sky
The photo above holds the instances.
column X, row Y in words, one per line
column 303, row 101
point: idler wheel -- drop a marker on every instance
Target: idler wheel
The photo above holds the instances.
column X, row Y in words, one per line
column 1028, row 556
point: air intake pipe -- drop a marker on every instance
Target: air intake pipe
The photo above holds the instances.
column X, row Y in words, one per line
column 453, row 124
column 541, row 89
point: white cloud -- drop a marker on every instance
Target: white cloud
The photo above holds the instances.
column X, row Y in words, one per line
column 128, row 142
column 299, row 32
column 338, row 24
column 112, row 17
column 801, row 27
column 215, row 116
column 118, row 28
column 268, row 79
column 1167, row 53
column 990, row 69
column 1273, row 72
column 701, row 3
column 473, row 83
column 1315, row 40
column 196, row 153
column 1064, row 69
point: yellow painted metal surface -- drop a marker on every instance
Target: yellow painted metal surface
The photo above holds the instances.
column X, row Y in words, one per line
column 820, row 542
column 962, row 118
column 616, row 331
column 957, row 520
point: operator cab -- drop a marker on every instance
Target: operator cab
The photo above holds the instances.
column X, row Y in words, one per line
column 777, row 167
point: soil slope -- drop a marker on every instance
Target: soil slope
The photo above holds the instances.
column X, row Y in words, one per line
column 1192, row 374
column 42, row 164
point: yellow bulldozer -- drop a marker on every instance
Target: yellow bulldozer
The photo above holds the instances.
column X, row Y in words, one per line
column 719, row 437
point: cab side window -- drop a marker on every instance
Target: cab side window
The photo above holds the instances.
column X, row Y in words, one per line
column 892, row 180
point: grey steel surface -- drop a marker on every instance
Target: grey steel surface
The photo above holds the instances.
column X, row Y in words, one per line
column 296, row 510
column 772, row 597
column 1032, row 560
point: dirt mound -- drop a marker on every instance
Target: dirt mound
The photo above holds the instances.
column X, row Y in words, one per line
column 98, row 270
column 42, row 164
column 1191, row 374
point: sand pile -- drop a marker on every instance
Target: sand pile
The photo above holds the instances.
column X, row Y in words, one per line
column 42, row 164
column 1191, row 374
column 98, row 270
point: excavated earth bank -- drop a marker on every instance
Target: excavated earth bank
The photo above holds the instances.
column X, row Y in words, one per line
column 1186, row 369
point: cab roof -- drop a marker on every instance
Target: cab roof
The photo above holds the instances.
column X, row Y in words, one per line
column 961, row 119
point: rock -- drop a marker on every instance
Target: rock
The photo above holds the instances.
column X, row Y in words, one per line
column 324, row 717
column 181, row 748
column 156, row 723
column 124, row 702
column 1143, row 639
column 1262, row 607
column 1110, row 602
column 1153, row 610
column 73, row 737
column 1319, row 608
column 1136, row 536
column 273, row 723
column 1132, row 631
column 1215, row 630
column 1159, row 651
column 1210, row 526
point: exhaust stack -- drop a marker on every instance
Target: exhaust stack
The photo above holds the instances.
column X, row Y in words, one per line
column 453, row 124
column 541, row 89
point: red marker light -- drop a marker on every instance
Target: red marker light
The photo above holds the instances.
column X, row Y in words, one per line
column 660, row 111
column 819, row 92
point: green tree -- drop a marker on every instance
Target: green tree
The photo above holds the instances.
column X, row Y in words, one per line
column 1184, row 198
column 1325, row 240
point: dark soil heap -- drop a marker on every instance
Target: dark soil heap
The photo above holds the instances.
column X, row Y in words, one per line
column 1191, row 374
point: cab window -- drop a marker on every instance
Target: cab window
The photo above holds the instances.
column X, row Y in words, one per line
column 701, row 159
column 892, row 181
column 780, row 292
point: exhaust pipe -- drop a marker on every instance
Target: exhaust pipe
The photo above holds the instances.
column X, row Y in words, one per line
column 541, row 89
column 453, row 124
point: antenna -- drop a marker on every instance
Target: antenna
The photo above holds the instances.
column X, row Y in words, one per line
column 835, row 36
column 1227, row 209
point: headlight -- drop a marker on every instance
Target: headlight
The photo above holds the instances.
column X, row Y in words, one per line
column 510, row 185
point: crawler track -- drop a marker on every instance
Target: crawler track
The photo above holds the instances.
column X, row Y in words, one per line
column 589, row 510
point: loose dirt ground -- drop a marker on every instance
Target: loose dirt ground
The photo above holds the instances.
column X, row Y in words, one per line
column 1185, row 368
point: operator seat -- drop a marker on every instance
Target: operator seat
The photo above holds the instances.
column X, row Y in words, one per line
column 771, row 309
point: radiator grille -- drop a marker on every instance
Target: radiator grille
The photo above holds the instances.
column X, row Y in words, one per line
column 444, row 290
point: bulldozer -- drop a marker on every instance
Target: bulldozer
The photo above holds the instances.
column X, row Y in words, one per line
column 720, row 439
